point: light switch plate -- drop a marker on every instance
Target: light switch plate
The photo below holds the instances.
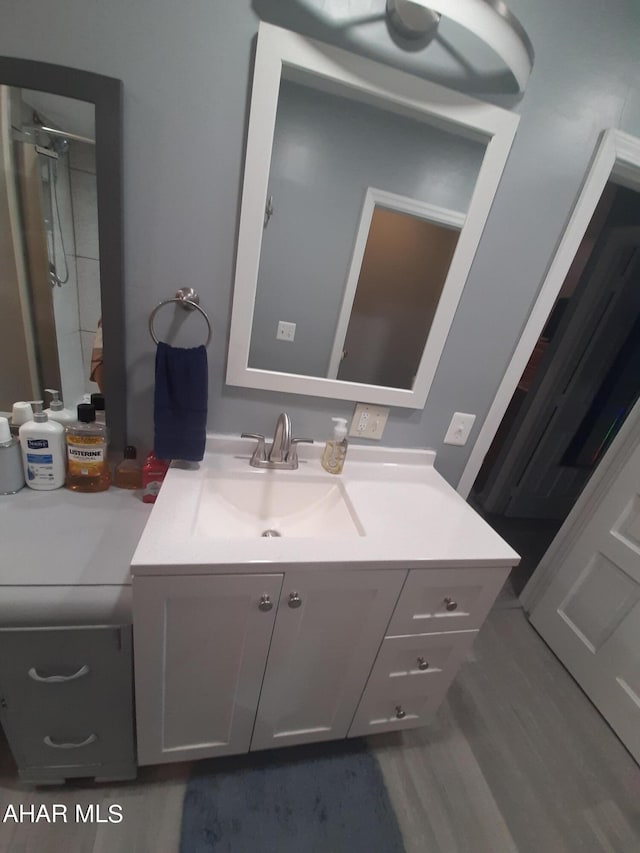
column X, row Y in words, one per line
column 368, row 421
column 286, row 331
column 459, row 428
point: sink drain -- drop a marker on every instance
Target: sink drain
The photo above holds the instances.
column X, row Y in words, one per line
column 271, row 532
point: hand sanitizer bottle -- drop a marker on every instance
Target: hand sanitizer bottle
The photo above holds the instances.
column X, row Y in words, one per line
column 335, row 449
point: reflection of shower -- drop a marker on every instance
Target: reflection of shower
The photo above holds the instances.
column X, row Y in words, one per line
column 57, row 146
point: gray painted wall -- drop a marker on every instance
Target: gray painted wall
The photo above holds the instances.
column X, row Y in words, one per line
column 318, row 179
column 186, row 72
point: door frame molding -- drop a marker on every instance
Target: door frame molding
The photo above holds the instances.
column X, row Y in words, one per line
column 617, row 156
column 373, row 197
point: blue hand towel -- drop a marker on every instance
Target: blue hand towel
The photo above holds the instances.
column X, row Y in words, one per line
column 180, row 403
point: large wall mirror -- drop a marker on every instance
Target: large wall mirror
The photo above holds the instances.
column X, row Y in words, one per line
column 61, row 288
column 365, row 194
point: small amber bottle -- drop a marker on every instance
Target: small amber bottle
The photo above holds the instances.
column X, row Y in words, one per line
column 128, row 473
column 87, row 467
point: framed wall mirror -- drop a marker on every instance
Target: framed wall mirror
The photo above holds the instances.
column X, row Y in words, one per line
column 365, row 194
column 61, row 292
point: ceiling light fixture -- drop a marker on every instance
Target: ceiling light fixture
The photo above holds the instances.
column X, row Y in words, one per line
column 490, row 20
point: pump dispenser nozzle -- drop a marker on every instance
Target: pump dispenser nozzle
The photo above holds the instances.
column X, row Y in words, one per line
column 56, row 403
column 38, row 415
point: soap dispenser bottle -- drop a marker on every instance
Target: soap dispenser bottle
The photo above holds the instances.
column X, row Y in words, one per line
column 335, row 450
column 42, row 444
column 57, row 411
column 11, row 472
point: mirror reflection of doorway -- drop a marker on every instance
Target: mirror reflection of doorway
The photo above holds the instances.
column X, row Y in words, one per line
column 581, row 382
column 403, row 271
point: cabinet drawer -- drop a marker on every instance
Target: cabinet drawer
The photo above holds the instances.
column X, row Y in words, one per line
column 424, row 659
column 435, row 600
column 73, row 743
column 407, row 704
column 67, row 695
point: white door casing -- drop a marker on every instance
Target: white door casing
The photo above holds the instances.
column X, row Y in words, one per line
column 617, row 158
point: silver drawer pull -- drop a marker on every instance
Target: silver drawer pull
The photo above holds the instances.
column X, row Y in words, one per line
column 57, row 679
column 400, row 712
column 450, row 603
column 423, row 663
column 294, row 600
column 91, row 739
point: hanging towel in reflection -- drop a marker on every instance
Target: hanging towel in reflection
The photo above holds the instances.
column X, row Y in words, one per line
column 180, row 403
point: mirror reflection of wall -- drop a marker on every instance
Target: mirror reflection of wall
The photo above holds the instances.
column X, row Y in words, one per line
column 49, row 252
column 328, row 151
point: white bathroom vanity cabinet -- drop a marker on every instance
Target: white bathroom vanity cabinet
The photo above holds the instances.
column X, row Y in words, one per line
column 244, row 642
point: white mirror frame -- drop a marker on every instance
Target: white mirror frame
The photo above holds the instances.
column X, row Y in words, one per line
column 361, row 79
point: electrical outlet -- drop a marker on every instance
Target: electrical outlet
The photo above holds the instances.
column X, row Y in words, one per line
column 368, row 421
column 286, row 331
column 459, row 428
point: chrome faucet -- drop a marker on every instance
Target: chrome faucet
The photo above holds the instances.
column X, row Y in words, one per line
column 281, row 445
column 283, row 451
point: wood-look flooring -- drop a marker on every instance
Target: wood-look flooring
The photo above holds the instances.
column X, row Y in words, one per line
column 517, row 761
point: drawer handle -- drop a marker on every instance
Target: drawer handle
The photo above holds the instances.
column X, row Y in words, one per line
column 294, row 599
column 450, row 604
column 57, row 679
column 265, row 604
column 400, row 712
column 423, row 663
column 91, row 739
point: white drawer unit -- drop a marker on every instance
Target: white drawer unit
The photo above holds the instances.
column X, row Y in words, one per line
column 421, row 658
column 409, row 680
column 66, row 701
column 408, row 704
column 438, row 600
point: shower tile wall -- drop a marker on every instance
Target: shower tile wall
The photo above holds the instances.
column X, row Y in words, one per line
column 77, row 304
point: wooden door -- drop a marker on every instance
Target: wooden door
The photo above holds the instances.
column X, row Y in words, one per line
column 590, row 613
column 329, row 628
column 200, row 646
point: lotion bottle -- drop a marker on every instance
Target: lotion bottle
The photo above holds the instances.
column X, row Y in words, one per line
column 335, row 450
column 43, row 457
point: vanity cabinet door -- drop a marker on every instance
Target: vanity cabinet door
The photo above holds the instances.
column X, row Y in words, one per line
column 327, row 635
column 200, row 648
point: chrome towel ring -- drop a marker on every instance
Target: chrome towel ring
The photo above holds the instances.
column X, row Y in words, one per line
column 188, row 299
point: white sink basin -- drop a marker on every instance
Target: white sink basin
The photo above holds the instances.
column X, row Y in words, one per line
column 280, row 504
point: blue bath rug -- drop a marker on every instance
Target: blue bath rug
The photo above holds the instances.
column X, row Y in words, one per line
column 321, row 798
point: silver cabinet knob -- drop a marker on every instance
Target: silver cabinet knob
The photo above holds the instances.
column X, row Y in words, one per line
column 423, row 664
column 400, row 712
column 450, row 604
column 265, row 604
column 294, row 599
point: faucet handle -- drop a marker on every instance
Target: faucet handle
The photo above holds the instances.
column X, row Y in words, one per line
column 293, row 453
column 259, row 453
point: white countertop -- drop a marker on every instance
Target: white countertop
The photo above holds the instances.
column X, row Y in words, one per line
column 66, row 538
column 410, row 515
